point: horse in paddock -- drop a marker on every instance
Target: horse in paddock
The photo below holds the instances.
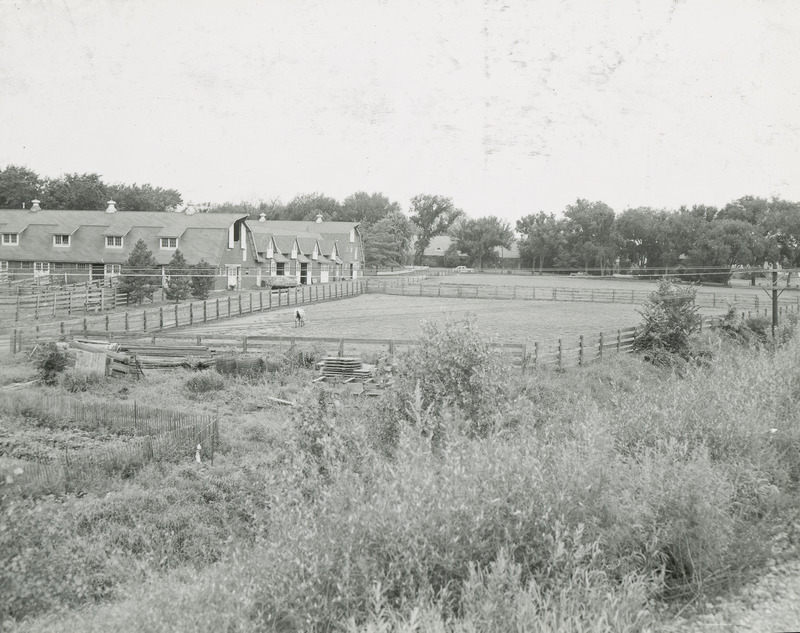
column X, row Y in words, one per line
column 299, row 317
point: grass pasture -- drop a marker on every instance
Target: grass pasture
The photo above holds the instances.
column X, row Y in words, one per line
column 387, row 316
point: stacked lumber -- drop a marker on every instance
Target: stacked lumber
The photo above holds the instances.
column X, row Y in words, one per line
column 341, row 367
column 116, row 362
column 169, row 356
column 359, row 378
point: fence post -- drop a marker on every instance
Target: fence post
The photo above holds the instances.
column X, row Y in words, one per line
column 217, row 308
column 191, row 314
column 601, row 346
column 106, row 323
column 524, row 353
column 240, row 305
column 535, row 352
column 619, row 339
column 244, row 344
column 559, row 353
column 161, row 317
column 632, row 299
column 126, row 321
column 144, row 320
column 580, row 351
column 260, row 300
column 341, row 347
column 36, row 309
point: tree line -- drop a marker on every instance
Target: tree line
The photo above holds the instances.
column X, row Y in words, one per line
column 699, row 242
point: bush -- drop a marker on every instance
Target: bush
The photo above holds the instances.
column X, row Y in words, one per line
column 78, row 380
column 205, row 382
column 453, row 364
column 49, row 361
column 670, row 319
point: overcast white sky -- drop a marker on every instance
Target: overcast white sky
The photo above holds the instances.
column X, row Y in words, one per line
column 507, row 107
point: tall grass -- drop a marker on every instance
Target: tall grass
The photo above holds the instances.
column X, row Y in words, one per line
column 605, row 492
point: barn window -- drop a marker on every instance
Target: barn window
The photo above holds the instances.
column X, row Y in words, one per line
column 169, row 242
column 113, row 241
column 61, row 240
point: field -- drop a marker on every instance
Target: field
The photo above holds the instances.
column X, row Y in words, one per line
column 385, row 316
column 468, row 497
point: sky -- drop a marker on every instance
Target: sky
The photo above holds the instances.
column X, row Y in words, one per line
column 508, row 108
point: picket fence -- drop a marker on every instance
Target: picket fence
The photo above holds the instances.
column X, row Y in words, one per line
column 145, row 434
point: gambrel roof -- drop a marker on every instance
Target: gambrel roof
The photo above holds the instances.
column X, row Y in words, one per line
column 201, row 236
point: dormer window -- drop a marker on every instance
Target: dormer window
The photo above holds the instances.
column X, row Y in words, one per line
column 169, row 242
column 10, row 239
column 315, row 254
column 294, row 251
column 352, row 235
column 270, row 251
column 61, row 240
column 113, row 241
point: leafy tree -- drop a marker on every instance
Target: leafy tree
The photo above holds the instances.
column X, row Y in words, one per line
column 451, row 257
column 179, row 282
column 542, row 237
column 747, row 209
column 479, row 237
column 590, row 233
column 18, row 186
column 75, row 191
column 144, row 198
column 367, row 209
column 433, row 215
column 723, row 244
column 387, row 242
column 307, row 206
column 140, row 274
column 202, row 280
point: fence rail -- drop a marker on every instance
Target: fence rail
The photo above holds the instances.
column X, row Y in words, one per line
column 162, row 318
column 406, row 286
column 42, row 304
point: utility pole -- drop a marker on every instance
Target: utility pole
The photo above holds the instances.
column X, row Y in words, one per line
column 774, row 301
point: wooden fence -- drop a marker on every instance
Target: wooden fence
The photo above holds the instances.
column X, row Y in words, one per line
column 417, row 288
column 191, row 313
column 80, row 300
column 154, row 434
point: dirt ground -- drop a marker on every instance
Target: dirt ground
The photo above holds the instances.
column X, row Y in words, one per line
column 398, row 317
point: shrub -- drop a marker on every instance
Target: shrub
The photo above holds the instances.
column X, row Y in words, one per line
column 205, row 382
column 670, row 319
column 453, row 364
column 78, row 380
column 49, row 361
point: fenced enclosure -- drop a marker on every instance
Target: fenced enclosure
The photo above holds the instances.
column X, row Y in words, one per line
column 142, row 434
column 44, row 303
column 189, row 313
column 407, row 286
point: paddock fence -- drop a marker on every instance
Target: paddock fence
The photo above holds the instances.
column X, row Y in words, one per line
column 141, row 434
column 158, row 319
column 411, row 287
column 82, row 300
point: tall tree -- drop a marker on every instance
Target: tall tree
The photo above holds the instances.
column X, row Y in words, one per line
column 140, row 274
column 144, row 198
column 75, row 191
column 308, row 205
column 387, row 242
column 542, row 237
column 433, row 215
column 366, row 208
column 179, row 283
column 202, row 281
column 18, row 186
column 479, row 237
column 590, row 233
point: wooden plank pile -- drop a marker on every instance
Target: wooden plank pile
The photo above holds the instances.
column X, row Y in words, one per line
column 169, row 356
column 101, row 356
column 358, row 377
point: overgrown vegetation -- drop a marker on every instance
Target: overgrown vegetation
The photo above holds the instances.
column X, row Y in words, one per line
column 471, row 498
column 670, row 319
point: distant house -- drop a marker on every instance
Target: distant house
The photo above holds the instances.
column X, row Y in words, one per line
column 79, row 246
column 508, row 257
